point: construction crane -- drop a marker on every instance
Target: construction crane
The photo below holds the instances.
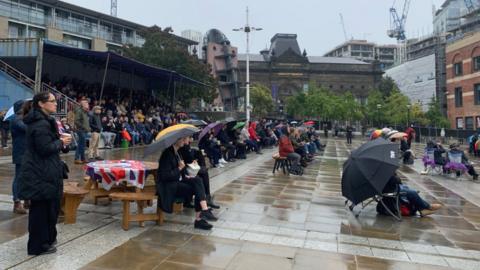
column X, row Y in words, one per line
column 397, row 23
column 113, row 8
column 343, row 27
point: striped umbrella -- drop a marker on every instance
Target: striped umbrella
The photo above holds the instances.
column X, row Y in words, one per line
column 169, row 136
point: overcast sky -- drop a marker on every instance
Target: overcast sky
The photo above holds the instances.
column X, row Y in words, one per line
column 316, row 22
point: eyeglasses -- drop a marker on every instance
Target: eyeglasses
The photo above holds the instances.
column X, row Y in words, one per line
column 52, row 101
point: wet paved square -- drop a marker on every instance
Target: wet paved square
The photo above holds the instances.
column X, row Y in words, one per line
column 266, row 222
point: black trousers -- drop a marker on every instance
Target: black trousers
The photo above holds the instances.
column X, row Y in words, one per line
column 42, row 221
column 349, row 139
column 229, row 152
column 192, row 186
column 241, row 150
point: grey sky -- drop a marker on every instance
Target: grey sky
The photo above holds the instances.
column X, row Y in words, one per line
column 316, row 22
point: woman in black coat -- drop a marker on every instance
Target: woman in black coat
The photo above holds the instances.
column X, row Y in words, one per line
column 189, row 156
column 41, row 175
column 171, row 183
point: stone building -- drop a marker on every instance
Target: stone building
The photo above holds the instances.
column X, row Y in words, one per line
column 286, row 70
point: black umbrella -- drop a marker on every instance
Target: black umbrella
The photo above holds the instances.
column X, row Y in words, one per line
column 368, row 170
column 169, row 136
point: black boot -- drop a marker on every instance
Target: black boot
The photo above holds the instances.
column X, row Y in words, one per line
column 211, row 203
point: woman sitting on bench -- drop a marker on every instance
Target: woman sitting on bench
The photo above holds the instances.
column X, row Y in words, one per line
column 172, row 183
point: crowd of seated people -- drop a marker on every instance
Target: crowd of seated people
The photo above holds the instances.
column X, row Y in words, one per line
column 299, row 146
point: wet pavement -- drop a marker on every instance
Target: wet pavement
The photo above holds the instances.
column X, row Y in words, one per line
column 266, row 222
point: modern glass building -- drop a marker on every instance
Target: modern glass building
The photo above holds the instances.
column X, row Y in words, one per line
column 70, row 24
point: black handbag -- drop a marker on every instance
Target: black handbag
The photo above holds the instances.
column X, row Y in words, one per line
column 65, row 170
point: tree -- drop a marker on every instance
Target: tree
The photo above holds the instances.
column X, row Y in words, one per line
column 352, row 109
column 161, row 50
column 434, row 115
column 386, row 86
column 375, row 107
column 261, row 99
column 417, row 116
column 396, row 108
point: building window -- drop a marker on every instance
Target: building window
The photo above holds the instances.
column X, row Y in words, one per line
column 458, row 69
column 476, row 94
column 469, row 122
column 16, row 30
column 476, row 63
column 78, row 42
column 458, row 97
column 459, row 122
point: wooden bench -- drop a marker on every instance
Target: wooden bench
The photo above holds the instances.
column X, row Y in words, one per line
column 97, row 192
column 141, row 199
column 72, row 197
column 281, row 163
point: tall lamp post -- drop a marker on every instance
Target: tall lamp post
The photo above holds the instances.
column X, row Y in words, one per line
column 247, row 29
column 379, row 106
column 408, row 114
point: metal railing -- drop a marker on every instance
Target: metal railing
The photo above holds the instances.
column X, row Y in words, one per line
column 17, row 75
column 65, row 104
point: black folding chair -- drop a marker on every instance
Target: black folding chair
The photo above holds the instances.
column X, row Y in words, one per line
column 380, row 199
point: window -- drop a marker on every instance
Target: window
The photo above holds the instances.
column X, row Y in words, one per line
column 16, row 30
column 458, row 69
column 469, row 122
column 458, row 97
column 476, row 94
column 77, row 42
column 459, row 122
column 476, row 63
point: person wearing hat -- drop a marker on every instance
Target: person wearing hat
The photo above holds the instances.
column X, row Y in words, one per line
column 95, row 127
column 455, row 149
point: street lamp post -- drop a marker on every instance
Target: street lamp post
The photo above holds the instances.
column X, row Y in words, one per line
column 408, row 114
column 247, row 29
column 379, row 106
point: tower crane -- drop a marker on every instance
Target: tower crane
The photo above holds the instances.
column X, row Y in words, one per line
column 397, row 23
column 113, row 8
column 343, row 26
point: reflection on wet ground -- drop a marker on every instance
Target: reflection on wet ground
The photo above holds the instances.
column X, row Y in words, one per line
column 279, row 222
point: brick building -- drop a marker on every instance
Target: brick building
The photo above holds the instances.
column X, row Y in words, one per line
column 463, row 82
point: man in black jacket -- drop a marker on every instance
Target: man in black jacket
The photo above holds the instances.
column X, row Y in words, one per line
column 229, row 152
column 171, row 183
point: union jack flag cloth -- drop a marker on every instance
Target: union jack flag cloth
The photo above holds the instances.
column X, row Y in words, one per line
column 113, row 172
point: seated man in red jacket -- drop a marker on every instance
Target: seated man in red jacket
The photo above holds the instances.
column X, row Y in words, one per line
column 285, row 148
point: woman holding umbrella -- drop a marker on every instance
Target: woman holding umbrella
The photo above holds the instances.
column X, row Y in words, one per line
column 171, row 181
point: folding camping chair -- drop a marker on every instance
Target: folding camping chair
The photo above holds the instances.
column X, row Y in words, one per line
column 380, row 199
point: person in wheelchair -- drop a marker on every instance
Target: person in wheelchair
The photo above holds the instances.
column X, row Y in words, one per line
column 409, row 198
column 455, row 150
